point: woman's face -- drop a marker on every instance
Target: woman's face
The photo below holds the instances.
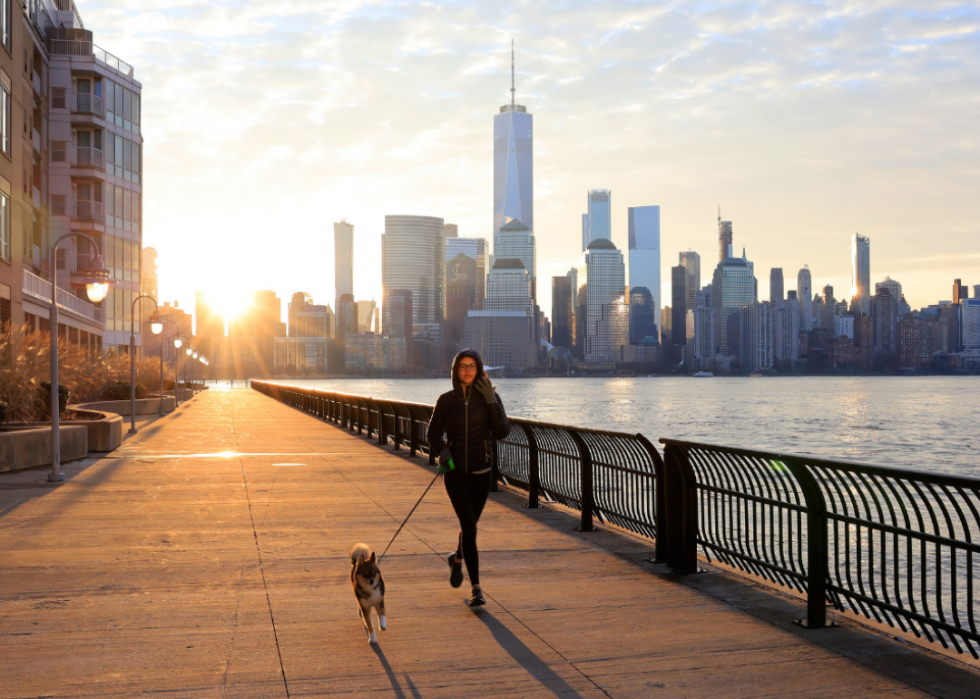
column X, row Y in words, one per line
column 467, row 371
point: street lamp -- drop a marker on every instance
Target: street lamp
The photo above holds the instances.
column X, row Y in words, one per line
column 132, row 359
column 178, row 342
column 96, row 279
column 189, row 351
column 156, row 327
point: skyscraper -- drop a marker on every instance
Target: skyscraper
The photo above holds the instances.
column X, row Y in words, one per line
column 603, row 275
column 413, row 259
column 701, row 341
column 960, row 291
column 678, row 304
column 597, row 223
column 477, row 249
column 515, row 241
column 509, row 288
column 860, row 274
column 733, row 286
column 828, row 311
column 776, row 284
column 343, row 261
column 724, row 239
column 513, row 161
column 691, row 261
column 804, row 293
column 643, row 323
column 644, row 251
column 149, row 279
column 562, row 312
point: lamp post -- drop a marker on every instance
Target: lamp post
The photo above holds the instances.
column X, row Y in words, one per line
column 96, row 288
column 189, row 351
column 132, row 360
column 178, row 341
column 156, row 327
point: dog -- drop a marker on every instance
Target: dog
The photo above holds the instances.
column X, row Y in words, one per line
column 369, row 588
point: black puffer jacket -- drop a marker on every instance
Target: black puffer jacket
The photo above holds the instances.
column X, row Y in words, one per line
column 469, row 425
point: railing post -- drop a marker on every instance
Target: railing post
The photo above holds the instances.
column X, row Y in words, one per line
column 660, row 499
column 382, row 433
column 534, row 477
column 681, row 505
column 817, row 565
column 413, row 434
column 494, row 467
column 398, row 432
column 588, row 496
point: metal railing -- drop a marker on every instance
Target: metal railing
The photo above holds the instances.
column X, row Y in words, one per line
column 87, row 103
column 86, row 210
column 86, row 49
column 40, row 289
column 897, row 546
column 87, row 157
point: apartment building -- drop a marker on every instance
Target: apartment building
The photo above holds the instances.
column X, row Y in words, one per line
column 71, row 162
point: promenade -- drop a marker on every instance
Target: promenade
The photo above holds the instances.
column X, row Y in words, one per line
column 208, row 557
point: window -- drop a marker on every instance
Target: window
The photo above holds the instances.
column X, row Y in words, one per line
column 58, row 100
column 5, row 117
column 5, row 22
column 4, row 226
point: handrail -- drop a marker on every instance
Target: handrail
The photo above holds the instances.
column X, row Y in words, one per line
column 895, row 545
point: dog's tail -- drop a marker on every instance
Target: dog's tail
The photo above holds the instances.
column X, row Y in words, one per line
column 359, row 551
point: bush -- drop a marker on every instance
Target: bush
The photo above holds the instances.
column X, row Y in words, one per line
column 44, row 398
column 119, row 390
column 6, row 412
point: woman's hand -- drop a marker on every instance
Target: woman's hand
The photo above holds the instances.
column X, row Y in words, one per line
column 485, row 388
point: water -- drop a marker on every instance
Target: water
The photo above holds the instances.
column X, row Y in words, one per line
column 928, row 423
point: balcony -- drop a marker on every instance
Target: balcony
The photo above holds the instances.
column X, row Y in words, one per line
column 86, row 49
column 87, row 210
column 40, row 289
column 87, row 157
column 37, row 85
column 84, row 103
column 36, row 256
column 36, row 198
column 36, row 141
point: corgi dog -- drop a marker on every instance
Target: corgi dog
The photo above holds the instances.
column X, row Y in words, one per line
column 369, row 588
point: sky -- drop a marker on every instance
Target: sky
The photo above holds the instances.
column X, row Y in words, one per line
column 266, row 121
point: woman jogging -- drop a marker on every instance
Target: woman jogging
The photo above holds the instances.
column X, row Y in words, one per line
column 472, row 416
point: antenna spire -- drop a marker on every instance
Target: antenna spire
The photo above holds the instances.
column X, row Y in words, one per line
column 513, row 101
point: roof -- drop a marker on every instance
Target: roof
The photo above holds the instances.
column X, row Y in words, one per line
column 508, row 263
column 601, row 244
column 514, row 225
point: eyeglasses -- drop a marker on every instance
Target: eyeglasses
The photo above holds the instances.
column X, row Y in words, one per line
column 467, row 367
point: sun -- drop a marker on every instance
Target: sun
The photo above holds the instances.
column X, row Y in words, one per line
column 231, row 304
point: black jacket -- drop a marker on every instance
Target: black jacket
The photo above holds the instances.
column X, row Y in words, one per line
column 469, row 425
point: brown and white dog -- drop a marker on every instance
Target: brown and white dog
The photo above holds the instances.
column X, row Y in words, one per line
column 369, row 588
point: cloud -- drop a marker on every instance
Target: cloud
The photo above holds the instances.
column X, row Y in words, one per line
column 265, row 121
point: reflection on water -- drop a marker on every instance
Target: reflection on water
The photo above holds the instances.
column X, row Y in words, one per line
column 928, row 423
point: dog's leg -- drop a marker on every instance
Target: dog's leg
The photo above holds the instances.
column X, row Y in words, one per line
column 369, row 626
column 381, row 616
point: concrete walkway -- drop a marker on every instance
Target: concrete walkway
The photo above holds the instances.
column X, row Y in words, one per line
column 208, row 558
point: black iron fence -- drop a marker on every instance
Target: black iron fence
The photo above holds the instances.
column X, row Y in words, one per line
column 898, row 546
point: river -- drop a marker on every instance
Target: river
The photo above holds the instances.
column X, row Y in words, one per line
column 929, row 423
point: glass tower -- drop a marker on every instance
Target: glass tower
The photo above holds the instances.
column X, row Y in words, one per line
column 603, row 275
column 413, row 259
column 644, row 251
column 733, row 286
column 598, row 222
column 343, row 249
column 515, row 241
column 860, row 274
column 804, row 293
column 513, row 162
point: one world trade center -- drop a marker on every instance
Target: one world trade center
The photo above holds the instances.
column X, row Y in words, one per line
column 513, row 158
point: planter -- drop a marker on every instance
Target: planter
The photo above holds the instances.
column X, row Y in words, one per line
column 144, row 406
column 28, row 445
column 105, row 429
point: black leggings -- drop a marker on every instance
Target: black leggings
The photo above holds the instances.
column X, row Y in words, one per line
column 468, row 493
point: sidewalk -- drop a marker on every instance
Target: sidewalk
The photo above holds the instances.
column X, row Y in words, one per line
column 208, row 557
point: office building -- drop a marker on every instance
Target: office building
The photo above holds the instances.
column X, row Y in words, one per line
column 450, row 230
column 181, row 324
column 509, row 289
column 786, row 332
column 976, row 291
column 691, row 262
column 602, row 275
column 733, row 286
column 398, row 313
column 644, row 251
column 597, row 223
column 701, row 341
column 667, row 324
column 844, row 326
column 960, row 291
column 307, row 320
column 413, row 259
column 776, row 284
column 562, row 312
column 828, row 310
column 461, row 290
column 249, row 349
column 758, row 352
column 503, row 338
column 209, row 326
column 515, row 241
column 643, row 323
column 149, row 276
column 343, row 261
column 970, row 323
column 513, row 163
column 370, row 351
column 804, row 293
column 884, row 311
column 477, row 249
column 860, row 274
column 725, row 250
column 894, row 288
column 366, row 312
column 346, row 316
column 678, row 303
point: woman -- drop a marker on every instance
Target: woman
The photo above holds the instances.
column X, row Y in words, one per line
column 472, row 416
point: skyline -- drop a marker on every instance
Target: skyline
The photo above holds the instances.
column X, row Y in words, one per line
column 813, row 122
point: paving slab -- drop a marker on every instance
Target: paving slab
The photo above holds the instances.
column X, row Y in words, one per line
column 208, row 557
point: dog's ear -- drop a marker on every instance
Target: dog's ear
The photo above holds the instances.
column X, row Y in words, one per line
column 360, row 560
column 374, row 556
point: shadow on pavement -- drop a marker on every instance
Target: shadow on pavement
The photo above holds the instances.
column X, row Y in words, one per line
column 532, row 664
column 391, row 675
